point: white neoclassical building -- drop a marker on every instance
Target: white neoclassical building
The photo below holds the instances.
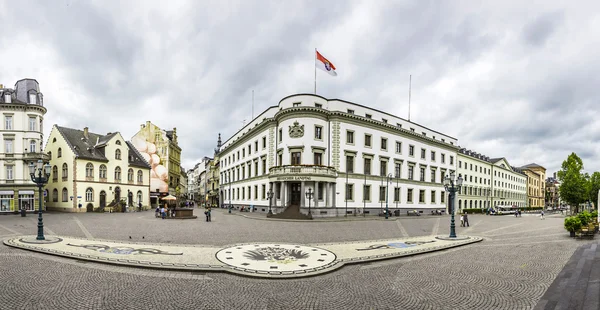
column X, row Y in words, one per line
column 352, row 158
column 489, row 182
column 22, row 137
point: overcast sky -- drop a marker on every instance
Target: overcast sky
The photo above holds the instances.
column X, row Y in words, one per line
column 507, row 80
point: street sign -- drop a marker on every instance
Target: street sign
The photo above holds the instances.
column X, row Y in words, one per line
column 79, row 197
column 45, row 193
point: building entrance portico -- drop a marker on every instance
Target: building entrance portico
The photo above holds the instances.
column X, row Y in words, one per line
column 296, row 194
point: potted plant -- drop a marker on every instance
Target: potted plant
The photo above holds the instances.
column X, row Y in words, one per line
column 572, row 224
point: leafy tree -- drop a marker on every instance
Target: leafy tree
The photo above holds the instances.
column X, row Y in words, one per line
column 594, row 187
column 573, row 188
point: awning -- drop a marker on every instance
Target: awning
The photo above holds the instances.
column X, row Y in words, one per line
column 7, row 192
column 26, row 192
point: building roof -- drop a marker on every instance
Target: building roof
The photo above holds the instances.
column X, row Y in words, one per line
column 92, row 147
column 533, row 165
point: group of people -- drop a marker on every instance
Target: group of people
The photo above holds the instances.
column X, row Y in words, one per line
column 464, row 220
column 164, row 211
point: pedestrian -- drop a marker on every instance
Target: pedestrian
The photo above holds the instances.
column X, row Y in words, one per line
column 462, row 221
column 207, row 213
column 157, row 212
column 542, row 215
column 162, row 212
column 519, row 213
column 466, row 220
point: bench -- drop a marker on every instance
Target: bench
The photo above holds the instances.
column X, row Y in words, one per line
column 587, row 232
column 414, row 212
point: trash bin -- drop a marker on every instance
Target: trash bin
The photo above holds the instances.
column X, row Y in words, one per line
column 397, row 213
column 23, row 213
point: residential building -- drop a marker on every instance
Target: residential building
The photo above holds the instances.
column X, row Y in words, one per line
column 90, row 171
column 552, row 192
column 160, row 148
column 192, row 187
column 341, row 153
column 213, row 176
column 489, row 182
column 536, row 185
column 183, row 184
column 23, row 111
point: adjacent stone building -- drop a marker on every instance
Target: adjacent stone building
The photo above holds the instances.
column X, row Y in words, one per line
column 536, row 185
column 22, row 136
column 90, row 171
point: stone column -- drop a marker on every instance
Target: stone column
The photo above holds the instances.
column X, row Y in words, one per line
column 281, row 193
column 316, row 197
column 302, row 202
column 334, row 195
column 326, row 189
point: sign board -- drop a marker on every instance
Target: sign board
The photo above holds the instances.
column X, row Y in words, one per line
column 45, row 193
column 79, row 197
column 294, row 178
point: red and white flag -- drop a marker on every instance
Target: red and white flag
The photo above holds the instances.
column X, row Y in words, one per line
column 325, row 65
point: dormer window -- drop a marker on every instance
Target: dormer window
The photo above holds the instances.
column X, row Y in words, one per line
column 118, row 142
column 318, row 105
column 296, row 104
column 7, row 98
column 118, row 154
column 32, row 98
column 368, row 115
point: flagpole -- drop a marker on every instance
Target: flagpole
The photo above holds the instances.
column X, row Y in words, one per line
column 409, row 87
column 315, row 70
column 252, row 104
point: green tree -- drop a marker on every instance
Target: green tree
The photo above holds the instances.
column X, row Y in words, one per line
column 594, row 187
column 573, row 188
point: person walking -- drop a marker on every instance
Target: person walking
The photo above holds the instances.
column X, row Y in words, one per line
column 462, row 221
column 542, row 215
column 162, row 212
column 207, row 213
column 466, row 218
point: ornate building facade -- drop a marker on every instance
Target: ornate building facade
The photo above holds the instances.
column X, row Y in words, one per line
column 23, row 112
column 536, row 185
column 338, row 157
column 91, row 170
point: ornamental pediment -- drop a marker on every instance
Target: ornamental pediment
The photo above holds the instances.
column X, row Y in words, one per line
column 297, row 130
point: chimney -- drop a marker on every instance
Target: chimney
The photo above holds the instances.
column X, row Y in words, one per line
column 85, row 133
column 142, row 126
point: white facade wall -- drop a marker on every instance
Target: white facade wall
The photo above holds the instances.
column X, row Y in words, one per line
column 337, row 119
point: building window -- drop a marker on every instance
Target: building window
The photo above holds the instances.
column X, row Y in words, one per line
column 318, row 105
column 382, row 168
column 397, row 169
column 367, row 166
column 256, row 168
column 367, row 193
column 443, row 197
column 318, row 132
column 452, row 162
column 459, row 164
column 139, row 197
column 9, row 173
column 8, row 122
column 118, row 154
column 140, row 176
column 296, row 104
column 432, row 175
column 256, row 146
column 264, row 142
column 54, row 174
column 422, row 196
column 280, row 159
column 409, row 195
column 381, row 193
column 398, row 147
column 422, row 153
column 59, row 155
column 89, row 195
column 349, row 164
column 280, row 135
column 55, row 195
column 396, row 194
column 349, row 137
column 411, row 170
column 432, row 156
column 89, row 170
column 118, row 174
column 264, row 192
column 384, row 120
column 102, row 172
column 130, row 175
column 443, row 158
column 350, row 111
column 422, row 174
column 8, row 146
column 264, row 166
column 432, row 196
column 368, row 115
column 318, row 159
column 367, row 140
column 296, row 156
column 32, row 123
column 320, row 191
column 65, row 171
column 32, row 145
column 255, row 192
column 349, row 191
column 384, row 144
column 65, row 195
column 411, row 150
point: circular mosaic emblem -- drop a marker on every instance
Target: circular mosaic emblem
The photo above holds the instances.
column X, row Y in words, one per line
column 275, row 257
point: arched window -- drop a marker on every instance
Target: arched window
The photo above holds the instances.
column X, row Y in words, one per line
column 460, row 204
column 118, row 154
column 65, row 195
column 89, row 195
column 65, row 171
column 55, row 194
column 55, row 174
column 117, row 173
column 102, row 171
column 118, row 142
column 32, row 146
column 89, row 170
column 140, row 176
column 130, row 175
column 475, row 204
column 50, row 155
column 59, row 152
column 139, row 196
column 470, row 204
column 53, row 140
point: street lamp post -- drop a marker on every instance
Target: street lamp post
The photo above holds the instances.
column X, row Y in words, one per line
column 270, row 196
column 43, row 175
column 346, row 193
column 387, row 185
column 229, row 181
column 452, row 187
column 309, row 195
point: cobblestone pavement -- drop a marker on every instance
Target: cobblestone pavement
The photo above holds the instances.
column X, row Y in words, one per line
column 511, row 269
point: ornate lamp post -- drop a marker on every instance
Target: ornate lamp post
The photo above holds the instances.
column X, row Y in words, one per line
column 229, row 181
column 270, row 196
column 452, row 187
column 387, row 185
column 43, row 175
column 309, row 195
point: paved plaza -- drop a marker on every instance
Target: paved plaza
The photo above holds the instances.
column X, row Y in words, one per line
column 510, row 269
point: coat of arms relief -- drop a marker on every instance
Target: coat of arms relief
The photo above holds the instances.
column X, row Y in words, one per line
column 297, row 130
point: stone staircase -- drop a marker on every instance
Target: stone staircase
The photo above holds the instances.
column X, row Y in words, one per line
column 292, row 212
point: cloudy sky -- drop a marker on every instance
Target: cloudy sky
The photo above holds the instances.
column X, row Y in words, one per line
column 507, row 80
